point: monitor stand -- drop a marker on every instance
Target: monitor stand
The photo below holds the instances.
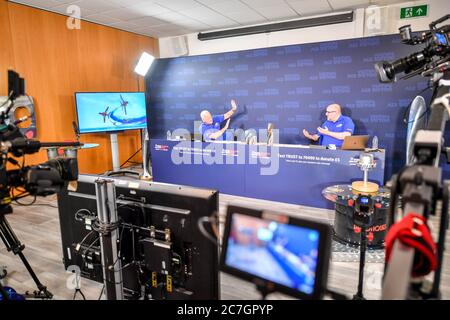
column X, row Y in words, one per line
column 115, row 159
column 115, row 152
column 146, row 175
column 146, row 163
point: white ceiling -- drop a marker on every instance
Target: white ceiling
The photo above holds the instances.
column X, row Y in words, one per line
column 163, row 18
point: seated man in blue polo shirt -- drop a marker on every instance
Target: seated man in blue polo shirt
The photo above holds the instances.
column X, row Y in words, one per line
column 210, row 127
column 334, row 129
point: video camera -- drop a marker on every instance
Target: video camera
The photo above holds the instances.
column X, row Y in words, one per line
column 435, row 53
column 417, row 188
column 38, row 180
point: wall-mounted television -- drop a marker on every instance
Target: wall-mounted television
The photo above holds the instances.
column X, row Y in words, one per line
column 110, row 111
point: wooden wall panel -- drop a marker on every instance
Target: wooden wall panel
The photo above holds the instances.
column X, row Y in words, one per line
column 56, row 62
column 6, row 50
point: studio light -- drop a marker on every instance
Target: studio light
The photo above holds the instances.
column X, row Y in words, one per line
column 144, row 64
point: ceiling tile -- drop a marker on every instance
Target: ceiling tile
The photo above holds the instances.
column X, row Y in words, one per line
column 193, row 24
column 147, row 21
column 124, row 14
column 200, row 12
column 307, row 7
column 208, row 16
column 263, row 3
column 65, row 1
column 177, row 5
column 160, row 31
column 124, row 25
column 103, row 19
column 170, row 27
column 63, row 10
column 171, row 17
column 45, row 4
column 96, row 5
column 228, row 6
column 385, row 2
column 148, row 9
column 127, row 3
column 246, row 16
column 209, row 2
column 346, row 4
column 277, row 12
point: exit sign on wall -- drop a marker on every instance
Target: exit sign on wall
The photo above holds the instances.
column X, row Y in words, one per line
column 412, row 12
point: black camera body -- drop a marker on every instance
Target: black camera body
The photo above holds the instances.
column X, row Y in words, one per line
column 436, row 52
column 38, row 180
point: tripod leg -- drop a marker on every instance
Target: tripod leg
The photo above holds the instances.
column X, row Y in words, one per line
column 362, row 259
column 43, row 292
column 13, row 244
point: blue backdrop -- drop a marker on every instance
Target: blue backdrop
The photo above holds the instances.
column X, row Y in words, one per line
column 289, row 86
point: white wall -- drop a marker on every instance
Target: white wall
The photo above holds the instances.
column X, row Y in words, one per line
column 367, row 22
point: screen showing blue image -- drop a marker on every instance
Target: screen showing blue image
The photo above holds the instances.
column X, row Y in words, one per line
column 281, row 253
column 110, row 111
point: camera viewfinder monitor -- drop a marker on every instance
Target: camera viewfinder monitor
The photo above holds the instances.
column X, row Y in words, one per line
column 110, row 111
column 277, row 252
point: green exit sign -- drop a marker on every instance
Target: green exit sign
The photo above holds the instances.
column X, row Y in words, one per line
column 412, row 12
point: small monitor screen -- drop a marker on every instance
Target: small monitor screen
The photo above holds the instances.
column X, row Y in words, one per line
column 290, row 255
column 441, row 39
column 110, row 111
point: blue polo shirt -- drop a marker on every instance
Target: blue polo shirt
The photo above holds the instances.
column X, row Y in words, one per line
column 207, row 129
column 341, row 125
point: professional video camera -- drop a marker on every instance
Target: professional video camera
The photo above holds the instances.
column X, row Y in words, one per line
column 432, row 58
column 411, row 252
column 38, row 180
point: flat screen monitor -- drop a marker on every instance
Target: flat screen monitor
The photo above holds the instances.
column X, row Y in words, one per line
column 276, row 251
column 176, row 247
column 110, row 111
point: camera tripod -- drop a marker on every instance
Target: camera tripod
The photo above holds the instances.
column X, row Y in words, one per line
column 13, row 244
column 362, row 261
column 363, row 218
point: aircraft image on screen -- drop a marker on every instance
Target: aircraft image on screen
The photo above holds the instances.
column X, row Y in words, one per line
column 116, row 116
column 123, row 104
column 110, row 111
column 105, row 114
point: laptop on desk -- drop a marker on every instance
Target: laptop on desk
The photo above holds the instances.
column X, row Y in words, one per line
column 355, row 143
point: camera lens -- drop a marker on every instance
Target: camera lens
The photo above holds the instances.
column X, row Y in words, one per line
column 384, row 71
column 405, row 33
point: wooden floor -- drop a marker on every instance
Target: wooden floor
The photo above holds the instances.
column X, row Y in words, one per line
column 38, row 228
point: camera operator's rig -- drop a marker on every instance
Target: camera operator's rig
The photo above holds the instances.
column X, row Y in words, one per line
column 416, row 189
column 38, row 180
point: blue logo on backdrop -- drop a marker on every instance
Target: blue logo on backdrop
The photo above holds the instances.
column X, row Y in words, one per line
column 229, row 81
column 259, row 105
column 303, row 63
column 257, row 79
column 289, row 86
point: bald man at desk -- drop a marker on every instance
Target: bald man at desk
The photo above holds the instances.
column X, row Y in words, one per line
column 334, row 129
column 210, row 127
